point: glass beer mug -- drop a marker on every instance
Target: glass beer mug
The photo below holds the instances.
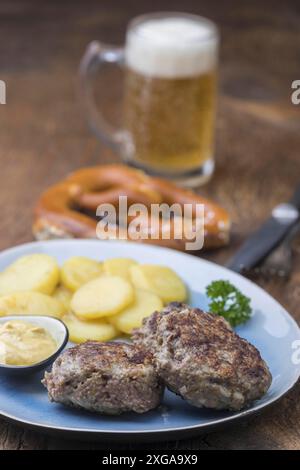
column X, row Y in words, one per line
column 170, row 64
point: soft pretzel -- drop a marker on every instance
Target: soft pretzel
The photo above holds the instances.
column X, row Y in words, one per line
column 68, row 208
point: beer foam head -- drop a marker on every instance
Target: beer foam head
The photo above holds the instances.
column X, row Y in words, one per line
column 172, row 47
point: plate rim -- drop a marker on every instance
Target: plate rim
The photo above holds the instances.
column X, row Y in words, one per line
column 144, row 432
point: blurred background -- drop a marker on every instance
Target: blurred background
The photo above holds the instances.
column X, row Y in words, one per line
column 44, row 132
column 44, row 135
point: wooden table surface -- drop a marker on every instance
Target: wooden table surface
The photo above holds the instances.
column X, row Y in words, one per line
column 44, row 136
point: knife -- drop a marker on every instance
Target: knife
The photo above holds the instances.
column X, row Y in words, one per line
column 283, row 218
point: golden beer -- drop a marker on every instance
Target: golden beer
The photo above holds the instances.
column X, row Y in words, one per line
column 170, row 62
column 170, row 121
column 170, row 95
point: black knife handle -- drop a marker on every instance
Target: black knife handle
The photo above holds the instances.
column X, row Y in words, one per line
column 295, row 200
column 259, row 245
column 268, row 236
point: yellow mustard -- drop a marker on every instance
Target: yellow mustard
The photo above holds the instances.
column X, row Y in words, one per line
column 23, row 343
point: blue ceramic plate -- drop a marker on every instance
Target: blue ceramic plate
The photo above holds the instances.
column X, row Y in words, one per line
column 271, row 329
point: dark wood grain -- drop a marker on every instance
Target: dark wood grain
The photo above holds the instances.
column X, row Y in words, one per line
column 44, row 136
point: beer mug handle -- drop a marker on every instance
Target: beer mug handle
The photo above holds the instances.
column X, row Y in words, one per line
column 95, row 56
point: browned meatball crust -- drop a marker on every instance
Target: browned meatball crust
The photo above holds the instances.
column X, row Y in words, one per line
column 200, row 357
column 109, row 378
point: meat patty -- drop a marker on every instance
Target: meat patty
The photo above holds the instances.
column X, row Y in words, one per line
column 200, row 358
column 109, row 378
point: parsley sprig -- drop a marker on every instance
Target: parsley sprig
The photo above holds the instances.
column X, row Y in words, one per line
column 228, row 301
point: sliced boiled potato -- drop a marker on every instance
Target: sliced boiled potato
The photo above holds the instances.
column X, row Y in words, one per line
column 145, row 303
column 161, row 280
column 30, row 303
column 79, row 270
column 101, row 297
column 95, row 330
column 138, row 278
column 119, row 267
column 37, row 272
column 64, row 296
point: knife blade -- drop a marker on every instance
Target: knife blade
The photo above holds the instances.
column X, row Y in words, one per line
column 268, row 236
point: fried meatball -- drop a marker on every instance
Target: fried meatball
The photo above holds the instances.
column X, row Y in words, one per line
column 108, row 378
column 200, row 358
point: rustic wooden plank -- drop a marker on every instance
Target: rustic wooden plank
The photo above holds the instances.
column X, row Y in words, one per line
column 44, row 136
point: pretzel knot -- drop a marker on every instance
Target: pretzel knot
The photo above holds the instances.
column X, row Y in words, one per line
column 68, row 209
